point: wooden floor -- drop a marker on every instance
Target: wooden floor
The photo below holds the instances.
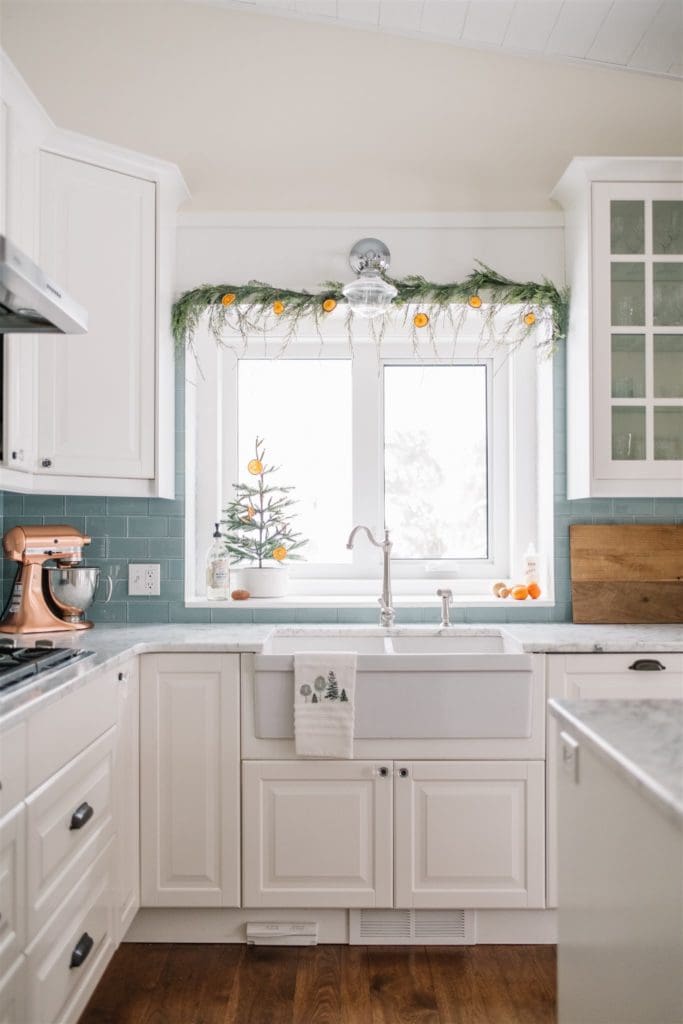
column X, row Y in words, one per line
column 219, row 984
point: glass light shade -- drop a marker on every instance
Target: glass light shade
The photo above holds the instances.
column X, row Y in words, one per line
column 369, row 295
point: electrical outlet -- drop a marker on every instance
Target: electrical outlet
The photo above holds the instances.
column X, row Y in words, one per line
column 144, row 579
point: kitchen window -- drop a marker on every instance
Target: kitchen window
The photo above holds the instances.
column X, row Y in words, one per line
column 438, row 441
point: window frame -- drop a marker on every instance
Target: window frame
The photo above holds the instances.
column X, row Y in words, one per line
column 517, row 388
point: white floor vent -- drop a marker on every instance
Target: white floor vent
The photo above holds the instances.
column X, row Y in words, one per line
column 411, row 927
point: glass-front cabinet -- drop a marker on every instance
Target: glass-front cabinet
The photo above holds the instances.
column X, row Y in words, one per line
column 625, row 343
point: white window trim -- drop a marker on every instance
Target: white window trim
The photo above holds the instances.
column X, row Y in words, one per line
column 522, row 438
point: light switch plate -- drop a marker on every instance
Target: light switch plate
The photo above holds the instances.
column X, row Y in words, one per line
column 144, row 579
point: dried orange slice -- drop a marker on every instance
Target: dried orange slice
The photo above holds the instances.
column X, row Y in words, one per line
column 329, row 305
column 529, row 319
column 228, row 298
column 279, row 554
column 278, row 307
column 420, row 319
column 255, row 467
column 474, row 301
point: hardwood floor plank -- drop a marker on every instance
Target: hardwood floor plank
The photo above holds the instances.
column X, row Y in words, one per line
column 318, row 994
column 355, row 985
column 128, row 988
column 401, row 987
column 265, row 986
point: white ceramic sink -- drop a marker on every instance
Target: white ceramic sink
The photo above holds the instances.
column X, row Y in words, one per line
column 409, row 684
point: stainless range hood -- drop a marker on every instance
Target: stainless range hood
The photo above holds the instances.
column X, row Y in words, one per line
column 30, row 303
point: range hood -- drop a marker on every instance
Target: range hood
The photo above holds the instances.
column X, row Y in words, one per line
column 30, row 303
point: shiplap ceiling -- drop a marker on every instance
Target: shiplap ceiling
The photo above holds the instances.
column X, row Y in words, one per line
column 637, row 35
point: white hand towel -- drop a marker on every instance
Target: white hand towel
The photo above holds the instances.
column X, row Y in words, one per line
column 324, row 690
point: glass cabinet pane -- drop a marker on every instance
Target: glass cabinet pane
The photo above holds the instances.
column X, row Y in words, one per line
column 628, row 432
column 668, row 294
column 669, row 432
column 667, row 227
column 668, row 365
column 628, row 294
column 627, row 226
column 628, row 366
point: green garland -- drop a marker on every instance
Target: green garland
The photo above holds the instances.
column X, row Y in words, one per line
column 255, row 307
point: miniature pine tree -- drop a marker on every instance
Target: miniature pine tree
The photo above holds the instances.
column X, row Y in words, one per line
column 344, row 697
column 332, row 692
column 314, row 699
column 258, row 521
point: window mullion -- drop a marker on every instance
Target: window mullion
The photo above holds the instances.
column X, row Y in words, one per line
column 367, row 463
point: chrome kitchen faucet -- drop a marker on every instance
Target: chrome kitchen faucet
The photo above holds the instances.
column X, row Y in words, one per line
column 387, row 613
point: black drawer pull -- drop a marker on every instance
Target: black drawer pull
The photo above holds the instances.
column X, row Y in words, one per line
column 647, row 665
column 81, row 950
column 81, row 816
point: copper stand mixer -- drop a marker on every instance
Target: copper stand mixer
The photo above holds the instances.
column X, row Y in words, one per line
column 30, row 607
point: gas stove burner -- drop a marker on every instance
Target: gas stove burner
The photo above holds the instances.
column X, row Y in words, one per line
column 23, row 664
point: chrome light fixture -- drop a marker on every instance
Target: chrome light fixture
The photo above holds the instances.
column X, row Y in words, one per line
column 369, row 295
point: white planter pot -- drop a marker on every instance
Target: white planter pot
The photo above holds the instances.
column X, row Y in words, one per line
column 270, row 581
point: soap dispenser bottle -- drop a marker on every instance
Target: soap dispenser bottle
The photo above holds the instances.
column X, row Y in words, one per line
column 531, row 565
column 217, row 569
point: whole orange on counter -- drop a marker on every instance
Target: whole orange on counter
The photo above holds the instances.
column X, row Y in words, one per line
column 534, row 590
column 520, row 593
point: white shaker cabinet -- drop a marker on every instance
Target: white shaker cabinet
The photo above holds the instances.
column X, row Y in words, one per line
column 95, row 409
column 624, row 238
column 469, row 834
column 393, row 834
column 127, row 796
column 318, row 834
column 93, row 413
column 189, row 780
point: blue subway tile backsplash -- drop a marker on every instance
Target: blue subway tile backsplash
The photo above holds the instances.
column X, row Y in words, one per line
column 152, row 529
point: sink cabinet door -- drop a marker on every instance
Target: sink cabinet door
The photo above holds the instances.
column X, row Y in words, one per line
column 469, row 834
column 317, row 834
column 189, row 780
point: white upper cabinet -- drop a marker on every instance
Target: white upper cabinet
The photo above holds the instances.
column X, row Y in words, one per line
column 96, row 390
column 624, row 232
column 90, row 413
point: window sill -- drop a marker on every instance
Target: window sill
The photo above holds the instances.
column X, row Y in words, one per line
column 351, row 601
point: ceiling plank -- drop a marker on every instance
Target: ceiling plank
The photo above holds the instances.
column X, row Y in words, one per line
column 576, row 27
column 487, row 21
column 662, row 44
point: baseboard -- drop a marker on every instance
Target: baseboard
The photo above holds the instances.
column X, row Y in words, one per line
column 195, row 924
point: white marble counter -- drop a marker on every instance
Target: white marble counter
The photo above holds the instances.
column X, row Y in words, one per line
column 641, row 739
column 113, row 644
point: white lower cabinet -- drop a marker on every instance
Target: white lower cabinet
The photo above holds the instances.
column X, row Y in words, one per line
column 469, row 834
column 12, row 887
column 189, row 780
column 317, row 835
column 13, row 993
column 329, row 834
column 127, row 796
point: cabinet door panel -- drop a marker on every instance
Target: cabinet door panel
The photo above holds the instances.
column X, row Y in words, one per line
column 97, row 238
column 317, row 834
column 469, row 834
column 12, row 884
column 128, row 796
column 189, row 775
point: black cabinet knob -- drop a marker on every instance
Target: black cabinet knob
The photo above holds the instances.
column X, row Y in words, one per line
column 46, row 463
column 403, row 773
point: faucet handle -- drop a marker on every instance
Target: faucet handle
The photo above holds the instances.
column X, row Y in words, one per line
column 445, row 596
column 444, row 592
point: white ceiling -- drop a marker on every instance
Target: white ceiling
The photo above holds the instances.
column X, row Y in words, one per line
column 637, row 35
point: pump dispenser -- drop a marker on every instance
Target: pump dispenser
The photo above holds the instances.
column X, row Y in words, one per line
column 217, row 569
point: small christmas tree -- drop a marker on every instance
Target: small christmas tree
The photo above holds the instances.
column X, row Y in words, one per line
column 258, row 521
column 332, row 692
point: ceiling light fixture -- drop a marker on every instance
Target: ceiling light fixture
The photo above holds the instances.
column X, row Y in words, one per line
column 369, row 295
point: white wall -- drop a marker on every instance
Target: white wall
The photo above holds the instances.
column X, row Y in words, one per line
column 302, row 252
column 263, row 113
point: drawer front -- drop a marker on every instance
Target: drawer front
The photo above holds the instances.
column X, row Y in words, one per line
column 70, row 819
column 13, row 993
column 68, row 958
column 13, row 767
column 12, row 887
column 624, row 676
column 60, row 731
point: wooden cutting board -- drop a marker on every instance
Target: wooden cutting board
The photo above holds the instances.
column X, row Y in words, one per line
column 628, row 574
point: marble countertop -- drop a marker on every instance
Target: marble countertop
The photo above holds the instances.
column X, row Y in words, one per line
column 641, row 739
column 113, row 644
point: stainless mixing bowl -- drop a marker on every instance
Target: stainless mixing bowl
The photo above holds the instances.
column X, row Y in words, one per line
column 73, row 589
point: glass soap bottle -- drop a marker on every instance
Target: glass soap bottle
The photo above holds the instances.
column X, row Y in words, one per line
column 217, row 569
